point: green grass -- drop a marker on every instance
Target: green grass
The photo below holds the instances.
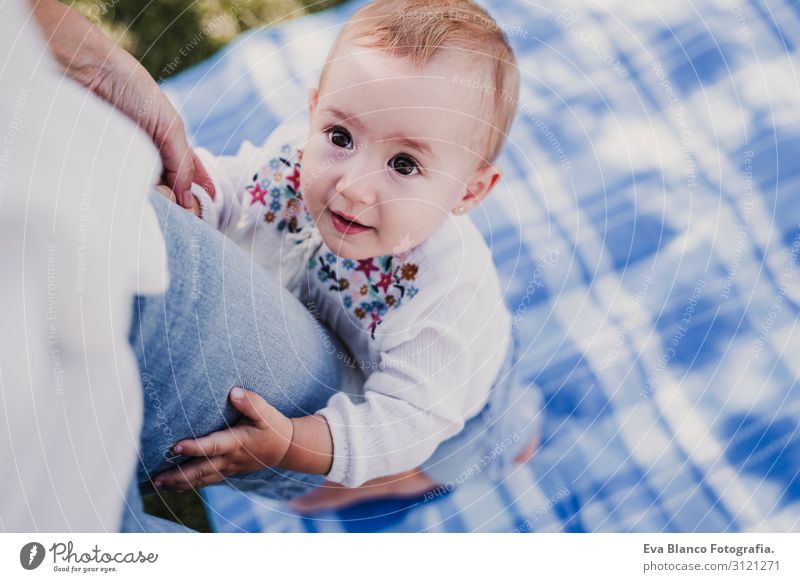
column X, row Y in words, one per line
column 167, row 36
column 186, row 508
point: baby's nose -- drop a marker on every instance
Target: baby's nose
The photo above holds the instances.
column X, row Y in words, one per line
column 357, row 188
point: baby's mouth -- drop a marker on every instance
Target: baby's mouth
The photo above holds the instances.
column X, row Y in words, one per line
column 346, row 226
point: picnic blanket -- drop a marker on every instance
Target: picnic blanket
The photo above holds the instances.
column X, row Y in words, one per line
column 647, row 234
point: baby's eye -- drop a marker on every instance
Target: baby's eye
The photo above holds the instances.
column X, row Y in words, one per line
column 340, row 137
column 404, row 165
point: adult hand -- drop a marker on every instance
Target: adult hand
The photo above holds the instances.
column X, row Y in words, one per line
column 92, row 59
column 167, row 193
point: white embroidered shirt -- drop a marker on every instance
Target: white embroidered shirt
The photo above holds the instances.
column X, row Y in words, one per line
column 427, row 328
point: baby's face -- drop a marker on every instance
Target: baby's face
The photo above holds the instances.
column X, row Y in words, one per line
column 392, row 151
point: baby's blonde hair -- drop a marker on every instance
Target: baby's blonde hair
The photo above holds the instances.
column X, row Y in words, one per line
column 419, row 29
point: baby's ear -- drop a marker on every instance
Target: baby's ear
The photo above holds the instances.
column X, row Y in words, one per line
column 313, row 94
column 482, row 182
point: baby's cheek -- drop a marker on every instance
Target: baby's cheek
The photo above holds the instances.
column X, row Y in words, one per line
column 313, row 185
column 315, row 165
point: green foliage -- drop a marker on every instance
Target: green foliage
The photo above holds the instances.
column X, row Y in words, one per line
column 167, row 36
column 186, row 508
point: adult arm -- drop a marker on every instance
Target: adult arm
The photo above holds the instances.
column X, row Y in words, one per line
column 95, row 61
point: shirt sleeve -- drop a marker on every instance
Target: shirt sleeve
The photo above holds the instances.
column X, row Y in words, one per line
column 244, row 185
column 413, row 402
column 231, row 211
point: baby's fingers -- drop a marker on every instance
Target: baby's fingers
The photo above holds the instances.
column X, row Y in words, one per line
column 213, row 445
column 254, row 407
column 193, row 474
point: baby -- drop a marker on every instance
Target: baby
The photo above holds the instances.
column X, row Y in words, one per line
column 359, row 214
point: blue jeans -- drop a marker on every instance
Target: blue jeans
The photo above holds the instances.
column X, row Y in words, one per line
column 224, row 322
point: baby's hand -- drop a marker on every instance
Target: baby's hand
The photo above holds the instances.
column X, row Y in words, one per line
column 167, row 193
column 260, row 440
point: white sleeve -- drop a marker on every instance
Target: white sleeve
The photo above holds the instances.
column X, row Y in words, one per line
column 228, row 212
column 417, row 399
column 240, row 206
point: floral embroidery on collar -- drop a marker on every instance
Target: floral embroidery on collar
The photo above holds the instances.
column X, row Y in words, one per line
column 277, row 187
column 369, row 287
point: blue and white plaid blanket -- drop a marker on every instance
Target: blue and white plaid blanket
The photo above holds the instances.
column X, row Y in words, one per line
column 649, row 238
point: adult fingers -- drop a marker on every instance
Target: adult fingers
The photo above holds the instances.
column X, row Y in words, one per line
column 178, row 161
column 202, row 177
